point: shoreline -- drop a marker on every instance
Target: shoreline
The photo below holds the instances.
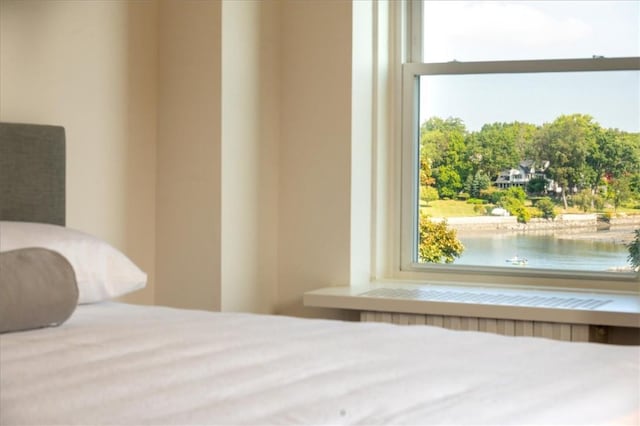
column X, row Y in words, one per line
column 566, row 227
column 616, row 236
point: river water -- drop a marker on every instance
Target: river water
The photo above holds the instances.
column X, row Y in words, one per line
column 541, row 251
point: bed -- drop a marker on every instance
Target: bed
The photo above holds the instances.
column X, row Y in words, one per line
column 100, row 362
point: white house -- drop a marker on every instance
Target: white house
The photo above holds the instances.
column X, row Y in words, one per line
column 526, row 171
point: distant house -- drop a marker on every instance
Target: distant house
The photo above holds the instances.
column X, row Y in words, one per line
column 527, row 170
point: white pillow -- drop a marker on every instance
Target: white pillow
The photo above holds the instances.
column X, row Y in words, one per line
column 102, row 272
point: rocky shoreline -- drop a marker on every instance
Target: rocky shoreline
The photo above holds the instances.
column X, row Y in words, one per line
column 567, row 227
column 617, row 236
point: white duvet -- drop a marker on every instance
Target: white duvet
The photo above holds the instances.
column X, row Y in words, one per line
column 120, row 364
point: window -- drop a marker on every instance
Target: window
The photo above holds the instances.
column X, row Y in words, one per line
column 521, row 137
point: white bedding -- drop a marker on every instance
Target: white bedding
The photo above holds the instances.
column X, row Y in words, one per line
column 132, row 365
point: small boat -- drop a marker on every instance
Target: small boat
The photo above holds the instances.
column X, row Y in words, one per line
column 517, row 261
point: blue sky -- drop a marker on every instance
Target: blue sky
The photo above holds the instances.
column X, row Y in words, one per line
column 487, row 30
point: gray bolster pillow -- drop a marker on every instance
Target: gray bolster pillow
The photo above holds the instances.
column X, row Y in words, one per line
column 37, row 289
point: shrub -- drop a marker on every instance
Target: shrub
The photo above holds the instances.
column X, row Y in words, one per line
column 516, row 192
column 495, row 196
column 485, row 194
column 437, row 243
column 513, row 202
column 583, row 200
column 535, row 213
column 523, row 214
column 428, row 194
column 598, row 202
column 547, row 208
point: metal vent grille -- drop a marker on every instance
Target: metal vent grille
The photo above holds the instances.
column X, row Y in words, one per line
column 488, row 298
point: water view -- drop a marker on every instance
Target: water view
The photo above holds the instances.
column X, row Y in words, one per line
column 541, row 251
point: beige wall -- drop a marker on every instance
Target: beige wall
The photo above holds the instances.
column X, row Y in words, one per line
column 189, row 154
column 250, row 136
column 315, row 152
column 284, row 213
column 224, row 146
column 90, row 67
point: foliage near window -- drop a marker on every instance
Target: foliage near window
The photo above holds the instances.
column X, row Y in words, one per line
column 634, row 250
column 438, row 243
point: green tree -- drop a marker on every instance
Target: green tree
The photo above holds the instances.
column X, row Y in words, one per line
column 516, row 192
column 476, row 183
column 448, row 181
column 583, row 200
column 615, row 154
column 513, row 202
column 619, row 191
column 428, row 194
column 547, row 207
column 567, row 142
column 634, row 184
column 442, row 141
column 437, row 242
column 536, row 185
column 442, row 146
column 499, row 146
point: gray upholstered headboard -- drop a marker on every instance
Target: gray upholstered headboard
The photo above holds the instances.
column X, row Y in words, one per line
column 32, row 173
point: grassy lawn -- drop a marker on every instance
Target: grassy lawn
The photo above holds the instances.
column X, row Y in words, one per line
column 449, row 208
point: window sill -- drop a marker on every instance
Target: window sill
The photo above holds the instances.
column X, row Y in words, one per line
column 504, row 302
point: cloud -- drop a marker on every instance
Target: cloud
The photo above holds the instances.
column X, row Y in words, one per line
column 454, row 25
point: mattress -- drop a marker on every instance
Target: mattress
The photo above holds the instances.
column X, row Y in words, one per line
column 119, row 364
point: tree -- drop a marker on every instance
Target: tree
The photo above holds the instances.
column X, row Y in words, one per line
column 476, row 183
column 516, row 192
column 428, row 194
column 448, row 181
column 619, row 191
column 437, row 242
column 567, row 142
column 615, row 154
column 442, row 141
column 536, row 185
column 634, row 184
column 547, row 207
column 442, row 146
column 583, row 200
column 499, row 146
column 513, row 202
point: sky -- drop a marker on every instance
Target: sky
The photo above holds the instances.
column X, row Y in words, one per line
column 518, row 30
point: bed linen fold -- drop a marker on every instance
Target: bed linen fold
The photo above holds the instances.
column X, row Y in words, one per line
column 119, row 364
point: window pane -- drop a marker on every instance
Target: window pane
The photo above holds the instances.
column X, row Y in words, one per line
column 518, row 30
column 543, row 167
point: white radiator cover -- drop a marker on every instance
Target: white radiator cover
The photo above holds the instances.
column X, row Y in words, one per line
column 550, row 330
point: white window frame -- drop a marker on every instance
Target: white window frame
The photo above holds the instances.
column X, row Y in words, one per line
column 412, row 69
